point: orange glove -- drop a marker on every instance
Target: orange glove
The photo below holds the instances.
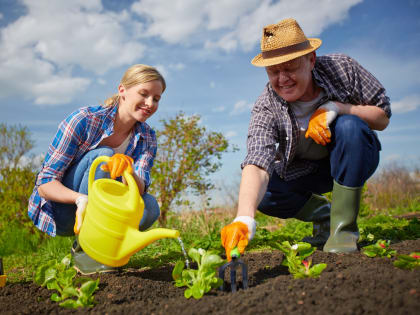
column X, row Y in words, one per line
column 318, row 127
column 118, row 164
column 238, row 234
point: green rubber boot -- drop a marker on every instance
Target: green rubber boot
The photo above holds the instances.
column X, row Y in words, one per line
column 317, row 210
column 86, row 265
column 344, row 211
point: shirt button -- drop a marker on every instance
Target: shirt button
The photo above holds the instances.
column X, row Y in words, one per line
column 287, row 138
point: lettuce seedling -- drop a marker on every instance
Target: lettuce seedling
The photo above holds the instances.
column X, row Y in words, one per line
column 203, row 279
column 408, row 261
column 61, row 277
column 379, row 249
column 295, row 260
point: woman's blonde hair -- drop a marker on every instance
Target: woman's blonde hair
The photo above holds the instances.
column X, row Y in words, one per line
column 134, row 75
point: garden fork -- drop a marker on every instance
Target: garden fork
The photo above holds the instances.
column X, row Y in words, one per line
column 233, row 264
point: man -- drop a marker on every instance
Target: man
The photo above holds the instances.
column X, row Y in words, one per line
column 311, row 132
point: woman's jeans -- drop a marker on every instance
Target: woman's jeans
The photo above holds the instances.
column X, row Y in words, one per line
column 77, row 178
column 354, row 157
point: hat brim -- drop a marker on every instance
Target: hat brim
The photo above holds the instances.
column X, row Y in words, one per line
column 259, row 61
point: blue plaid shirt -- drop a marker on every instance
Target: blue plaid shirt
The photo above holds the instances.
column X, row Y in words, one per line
column 79, row 133
column 273, row 132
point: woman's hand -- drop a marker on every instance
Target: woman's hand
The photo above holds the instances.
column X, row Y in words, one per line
column 117, row 164
column 81, row 203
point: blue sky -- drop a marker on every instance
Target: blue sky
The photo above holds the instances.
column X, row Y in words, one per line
column 56, row 56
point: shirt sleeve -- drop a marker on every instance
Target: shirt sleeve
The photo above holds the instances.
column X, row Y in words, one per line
column 62, row 150
column 366, row 89
column 261, row 141
column 144, row 162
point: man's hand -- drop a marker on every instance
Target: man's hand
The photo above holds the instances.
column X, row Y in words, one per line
column 81, row 203
column 117, row 164
column 238, row 234
column 318, row 128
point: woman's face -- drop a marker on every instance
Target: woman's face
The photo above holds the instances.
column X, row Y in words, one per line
column 140, row 101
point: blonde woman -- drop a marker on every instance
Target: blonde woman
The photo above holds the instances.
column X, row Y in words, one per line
column 117, row 129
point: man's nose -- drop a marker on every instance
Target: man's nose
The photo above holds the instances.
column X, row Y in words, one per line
column 283, row 77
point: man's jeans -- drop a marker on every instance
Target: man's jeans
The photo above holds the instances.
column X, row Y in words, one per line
column 77, row 178
column 354, row 157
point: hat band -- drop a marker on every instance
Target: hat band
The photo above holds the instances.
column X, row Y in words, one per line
column 285, row 50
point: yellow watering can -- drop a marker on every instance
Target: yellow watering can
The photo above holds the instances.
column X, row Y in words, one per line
column 110, row 231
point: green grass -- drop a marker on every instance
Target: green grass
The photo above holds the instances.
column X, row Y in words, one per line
column 23, row 252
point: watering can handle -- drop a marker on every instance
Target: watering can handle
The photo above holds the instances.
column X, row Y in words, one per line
column 131, row 182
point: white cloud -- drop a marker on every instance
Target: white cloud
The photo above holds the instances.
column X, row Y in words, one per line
column 230, row 134
column 54, row 37
column 212, row 84
column 218, row 109
column 177, row 66
column 240, row 107
column 101, row 81
column 1, row 15
column 230, row 24
column 407, row 104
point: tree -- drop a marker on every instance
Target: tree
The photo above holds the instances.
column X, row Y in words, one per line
column 16, row 182
column 15, row 141
column 186, row 155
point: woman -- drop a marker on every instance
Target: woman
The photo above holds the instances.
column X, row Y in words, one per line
column 116, row 129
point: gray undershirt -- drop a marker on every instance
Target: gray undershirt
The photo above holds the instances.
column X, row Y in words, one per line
column 307, row 148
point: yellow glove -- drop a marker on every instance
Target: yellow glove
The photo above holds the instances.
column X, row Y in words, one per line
column 118, row 164
column 238, row 234
column 318, row 127
column 81, row 203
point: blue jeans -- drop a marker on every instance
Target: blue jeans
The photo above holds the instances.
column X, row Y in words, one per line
column 77, row 178
column 354, row 157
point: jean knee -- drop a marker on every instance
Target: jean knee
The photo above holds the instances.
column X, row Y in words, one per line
column 151, row 212
column 348, row 126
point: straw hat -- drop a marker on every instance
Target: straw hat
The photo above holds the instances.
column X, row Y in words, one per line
column 282, row 42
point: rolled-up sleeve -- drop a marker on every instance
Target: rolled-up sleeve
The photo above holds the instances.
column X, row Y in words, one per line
column 63, row 149
column 261, row 141
column 144, row 162
column 366, row 88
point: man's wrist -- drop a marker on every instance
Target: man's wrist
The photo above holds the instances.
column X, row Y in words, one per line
column 249, row 222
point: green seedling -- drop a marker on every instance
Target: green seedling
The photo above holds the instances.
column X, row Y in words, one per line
column 202, row 280
column 379, row 249
column 60, row 276
column 409, row 262
column 295, row 260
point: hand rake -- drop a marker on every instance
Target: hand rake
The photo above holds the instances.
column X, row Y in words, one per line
column 233, row 264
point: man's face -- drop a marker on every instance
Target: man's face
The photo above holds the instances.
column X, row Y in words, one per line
column 292, row 80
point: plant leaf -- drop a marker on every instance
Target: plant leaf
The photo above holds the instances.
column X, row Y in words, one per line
column 195, row 255
column 177, row 271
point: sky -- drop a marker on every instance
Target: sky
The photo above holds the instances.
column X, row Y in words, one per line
column 59, row 55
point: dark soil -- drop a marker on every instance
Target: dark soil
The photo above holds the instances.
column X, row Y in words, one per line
column 351, row 284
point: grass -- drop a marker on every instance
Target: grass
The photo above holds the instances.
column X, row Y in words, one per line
column 197, row 230
column 387, row 197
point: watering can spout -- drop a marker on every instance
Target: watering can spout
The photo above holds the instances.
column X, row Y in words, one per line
column 136, row 240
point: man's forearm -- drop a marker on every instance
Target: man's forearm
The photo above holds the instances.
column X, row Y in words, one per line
column 254, row 183
column 374, row 116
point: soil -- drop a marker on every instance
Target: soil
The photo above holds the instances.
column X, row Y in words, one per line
column 351, row 284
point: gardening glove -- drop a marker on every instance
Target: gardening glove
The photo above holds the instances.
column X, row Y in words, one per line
column 81, row 203
column 117, row 164
column 238, row 234
column 318, row 127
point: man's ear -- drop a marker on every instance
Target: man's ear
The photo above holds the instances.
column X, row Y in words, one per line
column 312, row 58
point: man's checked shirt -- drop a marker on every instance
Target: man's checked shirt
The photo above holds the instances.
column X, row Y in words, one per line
column 273, row 132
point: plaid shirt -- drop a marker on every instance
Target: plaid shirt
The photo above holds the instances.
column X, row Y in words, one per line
column 273, row 132
column 79, row 133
